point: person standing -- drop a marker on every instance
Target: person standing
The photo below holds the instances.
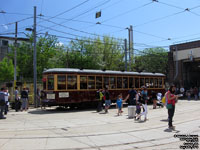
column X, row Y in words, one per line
column 188, row 92
column 24, row 97
column 144, row 96
column 107, row 100
column 119, row 104
column 195, row 93
column 171, row 100
column 38, row 97
column 131, row 96
column 99, row 97
column 17, row 100
column 2, row 103
column 27, row 90
column 7, row 95
column 154, row 98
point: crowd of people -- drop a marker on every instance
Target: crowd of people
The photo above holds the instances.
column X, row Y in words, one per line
column 21, row 102
column 139, row 99
column 189, row 93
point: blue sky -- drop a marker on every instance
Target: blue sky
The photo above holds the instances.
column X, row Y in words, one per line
column 154, row 23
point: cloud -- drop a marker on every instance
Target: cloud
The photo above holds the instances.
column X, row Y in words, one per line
column 59, row 44
column 5, row 26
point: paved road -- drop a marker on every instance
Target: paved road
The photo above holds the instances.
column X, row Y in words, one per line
column 87, row 130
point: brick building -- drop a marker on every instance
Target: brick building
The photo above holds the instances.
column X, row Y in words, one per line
column 184, row 64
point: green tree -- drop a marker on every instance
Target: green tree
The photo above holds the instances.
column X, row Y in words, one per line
column 152, row 60
column 49, row 55
column 106, row 53
column 6, row 70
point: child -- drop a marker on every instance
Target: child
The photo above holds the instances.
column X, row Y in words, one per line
column 119, row 104
column 138, row 111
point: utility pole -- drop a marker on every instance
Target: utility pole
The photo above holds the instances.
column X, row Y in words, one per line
column 15, row 57
column 125, row 44
column 132, row 46
column 35, row 60
column 130, row 37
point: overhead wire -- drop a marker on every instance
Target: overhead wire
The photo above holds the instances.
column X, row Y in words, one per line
column 134, row 9
column 106, row 7
column 17, row 21
column 120, row 15
column 158, row 19
column 14, row 13
column 68, row 10
column 83, row 13
column 76, row 29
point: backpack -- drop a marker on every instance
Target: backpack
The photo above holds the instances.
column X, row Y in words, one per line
column 107, row 96
column 2, row 99
column 163, row 100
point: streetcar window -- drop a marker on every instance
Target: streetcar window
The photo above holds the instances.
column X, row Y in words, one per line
column 61, row 82
column 44, row 80
column 131, row 82
column 125, row 82
column 50, row 82
column 119, row 82
column 71, row 82
column 160, row 83
column 137, row 83
column 142, row 82
column 147, row 83
column 112, row 82
column 156, row 82
column 83, row 82
column 151, row 83
column 91, row 82
column 106, row 82
column 98, row 82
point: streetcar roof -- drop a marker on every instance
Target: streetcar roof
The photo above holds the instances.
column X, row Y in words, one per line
column 90, row 71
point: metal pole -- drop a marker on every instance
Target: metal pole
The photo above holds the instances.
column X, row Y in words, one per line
column 129, row 48
column 125, row 43
column 132, row 48
column 15, row 57
column 35, row 61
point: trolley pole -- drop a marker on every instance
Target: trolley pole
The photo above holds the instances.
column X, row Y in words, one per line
column 125, row 44
column 15, row 57
column 35, row 60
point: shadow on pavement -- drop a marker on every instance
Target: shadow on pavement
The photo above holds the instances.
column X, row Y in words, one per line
column 170, row 130
column 164, row 120
column 56, row 110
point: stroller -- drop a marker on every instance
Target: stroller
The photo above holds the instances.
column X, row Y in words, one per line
column 159, row 98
